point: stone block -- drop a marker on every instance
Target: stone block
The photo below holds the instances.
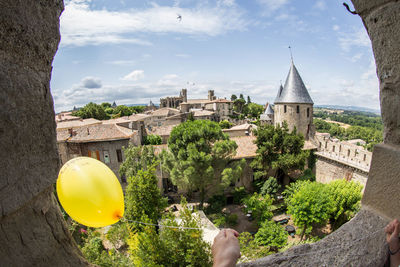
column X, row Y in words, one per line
column 382, row 191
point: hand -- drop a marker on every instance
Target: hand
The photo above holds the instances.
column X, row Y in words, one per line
column 225, row 249
column 392, row 235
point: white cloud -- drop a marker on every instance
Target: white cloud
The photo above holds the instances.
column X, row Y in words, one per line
column 134, row 76
column 335, row 27
column 91, row 82
column 122, row 62
column 320, row 4
column 182, row 55
column 272, row 5
column 82, row 25
column 357, row 38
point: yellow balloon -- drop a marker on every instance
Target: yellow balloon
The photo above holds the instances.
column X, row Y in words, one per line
column 90, row 192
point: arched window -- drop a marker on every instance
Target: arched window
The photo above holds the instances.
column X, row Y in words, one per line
column 298, row 109
column 308, row 112
column 284, row 108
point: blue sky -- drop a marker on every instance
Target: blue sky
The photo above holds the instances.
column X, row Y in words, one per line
column 136, row 51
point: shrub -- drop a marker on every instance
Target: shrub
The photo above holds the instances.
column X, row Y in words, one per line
column 346, row 196
column 250, row 249
column 239, row 194
column 272, row 235
column 270, row 187
column 231, row 219
column 260, row 207
column 216, row 203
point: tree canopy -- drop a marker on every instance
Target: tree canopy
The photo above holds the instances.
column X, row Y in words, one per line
column 92, row 110
column 200, row 155
column 311, row 204
column 277, row 148
column 172, row 246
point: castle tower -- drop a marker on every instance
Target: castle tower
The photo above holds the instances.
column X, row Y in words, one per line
column 294, row 105
column 268, row 116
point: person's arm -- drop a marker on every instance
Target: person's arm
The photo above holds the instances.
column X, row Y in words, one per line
column 392, row 237
column 225, row 249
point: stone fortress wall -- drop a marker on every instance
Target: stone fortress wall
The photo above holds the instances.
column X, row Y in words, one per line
column 340, row 159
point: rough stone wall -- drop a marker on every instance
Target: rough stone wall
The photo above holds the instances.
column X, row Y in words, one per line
column 111, row 147
column 299, row 120
column 344, row 151
column 32, row 229
column 381, row 18
column 329, row 170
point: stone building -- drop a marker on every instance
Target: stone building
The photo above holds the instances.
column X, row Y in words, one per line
column 174, row 101
column 104, row 142
column 294, row 105
column 268, row 116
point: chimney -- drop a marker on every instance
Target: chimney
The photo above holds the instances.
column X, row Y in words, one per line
column 211, row 95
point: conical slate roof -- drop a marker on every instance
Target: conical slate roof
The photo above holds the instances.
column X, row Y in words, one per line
column 294, row 90
column 269, row 110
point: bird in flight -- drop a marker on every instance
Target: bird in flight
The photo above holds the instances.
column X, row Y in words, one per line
column 179, row 17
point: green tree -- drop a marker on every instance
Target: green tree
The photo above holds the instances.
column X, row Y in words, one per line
column 254, row 110
column 278, row 149
column 137, row 109
column 152, row 139
column 250, row 249
column 272, row 235
column 270, row 187
column 173, row 246
column 95, row 253
column 311, row 204
column 239, row 104
column 138, row 158
column 248, row 100
column 200, row 155
column 122, row 110
column 105, row 105
column 92, row 110
column 225, row 124
column 259, row 206
column 233, row 97
column 347, row 197
column 143, row 197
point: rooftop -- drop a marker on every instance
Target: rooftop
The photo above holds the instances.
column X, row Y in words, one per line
column 294, row 90
column 164, row 112
column 95, row 133
column 76, row 123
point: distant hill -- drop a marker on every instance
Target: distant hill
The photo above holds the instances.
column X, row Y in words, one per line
column 351, row 108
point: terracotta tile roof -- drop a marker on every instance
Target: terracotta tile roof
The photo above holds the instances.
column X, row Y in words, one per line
column 245, row 126
column 165, row 112
column 196, row 101
column 308, row 145
column 138, row 117
column 116, row 120
column 66, row 116
column 221, row 100
column 77, row 123
column 246, row 147
column 161, row 130
column 95, row 133
column 200, row 113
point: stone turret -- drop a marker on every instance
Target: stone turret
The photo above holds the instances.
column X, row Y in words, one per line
column 268, row 116
column 294, row 105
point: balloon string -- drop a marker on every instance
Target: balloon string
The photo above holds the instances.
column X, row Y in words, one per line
column 166, row 226
column 277, row 256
